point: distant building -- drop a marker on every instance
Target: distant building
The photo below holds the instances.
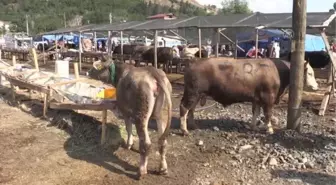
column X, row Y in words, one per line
column 165, row 16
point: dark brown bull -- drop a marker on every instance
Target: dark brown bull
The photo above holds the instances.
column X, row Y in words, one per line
column 141, row 93
column 134, row 51
column 229, row 81
column 165, row 56
column 317, row 59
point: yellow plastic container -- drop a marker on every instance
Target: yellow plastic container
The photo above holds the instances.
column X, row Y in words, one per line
column 107, row 93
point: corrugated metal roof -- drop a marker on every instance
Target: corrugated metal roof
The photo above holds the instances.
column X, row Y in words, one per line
column 268, row 20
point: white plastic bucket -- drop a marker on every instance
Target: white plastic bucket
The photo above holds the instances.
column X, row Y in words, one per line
column 62, row 68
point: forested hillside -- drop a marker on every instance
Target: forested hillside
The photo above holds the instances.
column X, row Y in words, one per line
column 46, row 15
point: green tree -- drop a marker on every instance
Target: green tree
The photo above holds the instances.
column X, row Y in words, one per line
column 235, row 7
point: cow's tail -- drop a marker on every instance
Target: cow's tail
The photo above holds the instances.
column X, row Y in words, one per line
column 167, row 91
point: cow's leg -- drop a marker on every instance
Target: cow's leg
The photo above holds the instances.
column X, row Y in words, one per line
column 191, row 120
column 256, row 113
column 129, row 134
column 145, row 110
column 187, row 103
column 170, row 66
column 161, row 120
column 268, row 109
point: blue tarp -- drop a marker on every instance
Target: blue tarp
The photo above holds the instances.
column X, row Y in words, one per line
column 314, row 43
column 269, row 34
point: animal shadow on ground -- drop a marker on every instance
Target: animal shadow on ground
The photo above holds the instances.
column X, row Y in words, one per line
column 304, row 141
column 84, row 144
column 227, row 125
column 307, row 177
column 85, row 133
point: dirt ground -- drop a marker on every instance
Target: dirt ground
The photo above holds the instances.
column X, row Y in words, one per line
column 65, row 148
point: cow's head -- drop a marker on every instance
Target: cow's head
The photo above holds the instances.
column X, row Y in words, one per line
column 309, row 77
column 108, row 71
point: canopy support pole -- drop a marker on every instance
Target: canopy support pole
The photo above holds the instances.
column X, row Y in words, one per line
column 121, row 46
column 95, row 41
column 217, row 41
column 155, row 49
column 200, row 42
column 257, row 43
column 80, row 51
column 56, row 45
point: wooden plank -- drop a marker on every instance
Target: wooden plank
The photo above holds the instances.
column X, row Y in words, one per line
column 72, row 106
column 325, row 101
column 35, row 59
column 327, row 96
column 76, row 70
column 27, row 85
column 68, row 82
column 330, row 52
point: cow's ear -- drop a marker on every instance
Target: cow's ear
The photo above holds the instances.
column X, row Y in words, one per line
column 306, row 63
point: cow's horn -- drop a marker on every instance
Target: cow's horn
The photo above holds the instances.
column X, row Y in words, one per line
column 97, row 64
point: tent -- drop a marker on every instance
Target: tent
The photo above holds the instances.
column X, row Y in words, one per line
column 263, row 35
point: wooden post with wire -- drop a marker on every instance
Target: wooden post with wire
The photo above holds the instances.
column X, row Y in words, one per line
column 299, row 24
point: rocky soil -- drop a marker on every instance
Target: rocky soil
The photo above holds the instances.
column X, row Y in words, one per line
column 65, row 148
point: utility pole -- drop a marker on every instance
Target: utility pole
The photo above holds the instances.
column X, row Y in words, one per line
column 299, row 24
column 27, row 24
column 64, row 19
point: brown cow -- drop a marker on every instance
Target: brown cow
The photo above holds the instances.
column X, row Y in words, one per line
column 141, row 93
column 229, row 81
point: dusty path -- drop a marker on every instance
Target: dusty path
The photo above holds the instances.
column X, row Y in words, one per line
column 34, row 151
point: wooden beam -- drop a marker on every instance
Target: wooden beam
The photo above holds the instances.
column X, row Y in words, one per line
column 327, row 95
column 176, row 34
column 232, row 41
column 330, row 88
column 73, row 106
column 27, row 85
column 297, row 64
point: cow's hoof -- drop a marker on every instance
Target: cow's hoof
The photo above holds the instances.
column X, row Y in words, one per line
column 141, row 175
column 129, row 147
column 274, row 120
column 270, row 131
column 163, row 171
column 185, row 133
column 254, row 128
